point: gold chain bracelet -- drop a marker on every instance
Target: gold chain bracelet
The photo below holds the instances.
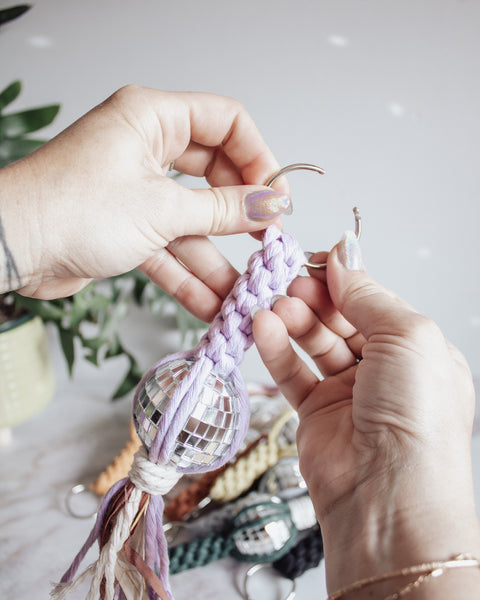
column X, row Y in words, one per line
column 424, row 570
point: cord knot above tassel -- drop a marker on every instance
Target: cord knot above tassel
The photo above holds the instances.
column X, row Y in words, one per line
column 154, row 479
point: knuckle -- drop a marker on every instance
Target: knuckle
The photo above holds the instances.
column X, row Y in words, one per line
column 356, row 292
column 219, row 211
column 186, row 294
column 423, row 330
column 239, row 114
column 237, row 107
column 126, row 94
column 175, row 245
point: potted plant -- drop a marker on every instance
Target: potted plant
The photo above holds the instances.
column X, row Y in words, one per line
column 26, row 375
column 87, row 323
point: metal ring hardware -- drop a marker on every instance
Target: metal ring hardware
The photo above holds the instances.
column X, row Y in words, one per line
column 258, row 567
column 310, row 167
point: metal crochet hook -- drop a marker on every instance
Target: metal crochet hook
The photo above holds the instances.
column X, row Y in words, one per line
column 255, row 569
column 310, row 167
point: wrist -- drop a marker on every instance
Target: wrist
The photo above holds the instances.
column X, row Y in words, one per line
column 29, row 242
column 18, row 241
column 412, row 517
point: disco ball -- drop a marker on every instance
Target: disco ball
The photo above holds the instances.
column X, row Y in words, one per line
column 207, row 432
column 263, row 528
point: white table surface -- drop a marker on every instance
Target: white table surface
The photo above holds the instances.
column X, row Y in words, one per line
column 71, row 442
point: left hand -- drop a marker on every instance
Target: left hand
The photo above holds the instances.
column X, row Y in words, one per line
column 95, row 201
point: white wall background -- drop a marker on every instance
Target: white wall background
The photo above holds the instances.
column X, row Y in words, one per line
column 384, row 95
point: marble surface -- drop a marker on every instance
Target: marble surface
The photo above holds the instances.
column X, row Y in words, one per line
column 71, row 442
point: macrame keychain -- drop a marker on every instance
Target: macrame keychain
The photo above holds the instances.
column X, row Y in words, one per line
column 237, row 477
column 191, row 412
column 263, row 528
column 263, row 525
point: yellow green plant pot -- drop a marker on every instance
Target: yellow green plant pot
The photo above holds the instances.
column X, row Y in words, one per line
column 27, row 380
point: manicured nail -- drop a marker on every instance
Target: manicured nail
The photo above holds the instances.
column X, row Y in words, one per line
column 275, row 298
column 254, row 310
column 349, row 252
column 267, row 204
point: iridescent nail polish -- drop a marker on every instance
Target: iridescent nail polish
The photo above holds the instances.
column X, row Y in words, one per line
column 267, row 204
column 349, row 252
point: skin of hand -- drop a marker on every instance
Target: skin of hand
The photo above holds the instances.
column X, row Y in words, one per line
column 384, row 442
column 95, row 201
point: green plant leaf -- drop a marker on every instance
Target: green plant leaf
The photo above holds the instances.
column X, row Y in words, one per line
column 92, row 357
column 116, row 291
column 79, row 309
column 112, row 320
column 26, row 121
column 46, row 309
column 13, row 12
column 67, row 342
column 115, row 348
column 12, row 149
column 88, row 305
column 92, row 344
column 138, row 290
column 10, row 93
column 130, row 381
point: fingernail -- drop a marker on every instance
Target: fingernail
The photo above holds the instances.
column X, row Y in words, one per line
column 349, row 252
column 275, row 298
column 254, row 310
column 267, row 204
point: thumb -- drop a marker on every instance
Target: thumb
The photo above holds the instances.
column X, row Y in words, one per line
column 225, row 210
column 368, row 306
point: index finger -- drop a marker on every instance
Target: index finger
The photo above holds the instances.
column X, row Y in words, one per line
column 216, row 121
column 225, row 122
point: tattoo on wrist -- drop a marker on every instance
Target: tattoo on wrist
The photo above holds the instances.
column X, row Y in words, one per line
column 9, row 261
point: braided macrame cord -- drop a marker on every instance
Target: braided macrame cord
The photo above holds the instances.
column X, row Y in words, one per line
column 293, row 562
column 240, row 476
column 232, row 480
column 305, row 555
column 129, row 522
column 244, row 529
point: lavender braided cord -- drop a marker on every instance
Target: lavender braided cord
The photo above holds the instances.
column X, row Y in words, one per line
column 269, row 272
column 221, row 350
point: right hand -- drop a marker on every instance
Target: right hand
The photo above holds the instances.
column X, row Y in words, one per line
column 384, row 438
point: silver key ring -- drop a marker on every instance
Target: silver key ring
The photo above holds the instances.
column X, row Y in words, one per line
column 309, row 167
column 255, row 569
column 77, row 490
